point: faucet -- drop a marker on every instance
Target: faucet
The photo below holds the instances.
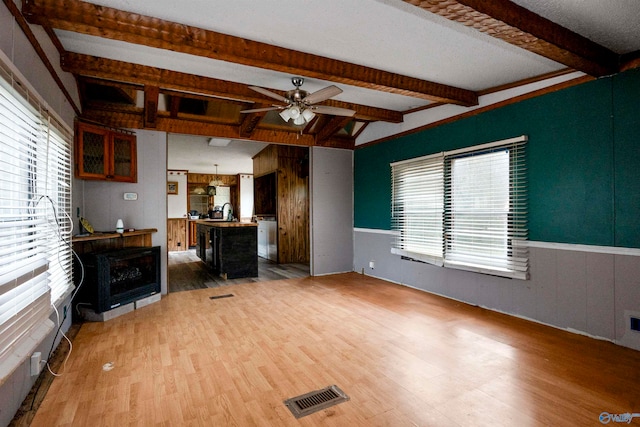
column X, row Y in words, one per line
column 230, row 215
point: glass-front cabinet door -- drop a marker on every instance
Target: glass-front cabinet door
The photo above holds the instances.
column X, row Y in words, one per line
column 92, row 151
column 124, row 157
column 104, row 154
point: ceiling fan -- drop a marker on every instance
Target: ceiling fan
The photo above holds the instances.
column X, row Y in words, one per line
column 300, row 103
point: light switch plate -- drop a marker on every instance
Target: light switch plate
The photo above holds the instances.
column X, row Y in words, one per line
column 131, row 196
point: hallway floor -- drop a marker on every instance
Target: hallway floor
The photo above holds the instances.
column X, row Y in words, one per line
column 186, row 272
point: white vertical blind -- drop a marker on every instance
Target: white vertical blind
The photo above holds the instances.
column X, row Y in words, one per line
column 417, row 207
column 35, row 195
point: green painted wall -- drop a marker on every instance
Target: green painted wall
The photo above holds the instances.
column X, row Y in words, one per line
column 583, row 159
column 626, row 134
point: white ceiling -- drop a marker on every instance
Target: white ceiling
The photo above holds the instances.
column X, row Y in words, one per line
column 193, row 153
column 613, row 24
column 390, row 35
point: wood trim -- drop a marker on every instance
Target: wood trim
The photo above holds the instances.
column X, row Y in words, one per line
column 520, row 27
column 24, row 26
column 523, row 82
column 115, row 24
column 477, row 111
column 54, row 39
column 630, row 60
column 495, row 89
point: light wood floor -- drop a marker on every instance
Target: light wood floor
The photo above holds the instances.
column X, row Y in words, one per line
column 404, row 357
column 187, row 272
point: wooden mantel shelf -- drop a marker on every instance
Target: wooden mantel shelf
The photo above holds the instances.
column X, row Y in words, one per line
column 113, row 235
column 99, row 242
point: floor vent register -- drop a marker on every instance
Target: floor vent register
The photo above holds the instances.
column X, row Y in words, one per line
column 315, row 401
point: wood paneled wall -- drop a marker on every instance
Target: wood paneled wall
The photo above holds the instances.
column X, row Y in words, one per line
column 266, row 161
column 177, row 239
column 292, row 204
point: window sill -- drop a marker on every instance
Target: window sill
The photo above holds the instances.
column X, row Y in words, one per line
column 24, row 350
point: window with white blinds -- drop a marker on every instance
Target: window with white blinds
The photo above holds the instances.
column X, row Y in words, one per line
column 417, row 204
column 480, row 223
column 35, row 223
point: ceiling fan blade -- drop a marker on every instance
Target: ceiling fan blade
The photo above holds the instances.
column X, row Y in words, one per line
column 322, row 94
column 269, row 93
column 259, row 110
column 334, row 111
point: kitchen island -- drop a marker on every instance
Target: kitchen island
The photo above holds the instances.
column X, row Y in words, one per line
column 230, row 249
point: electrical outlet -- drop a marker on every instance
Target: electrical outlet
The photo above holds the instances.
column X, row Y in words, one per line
column 36, row 358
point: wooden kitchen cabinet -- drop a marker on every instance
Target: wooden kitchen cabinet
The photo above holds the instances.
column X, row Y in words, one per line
column 193, row 234
column 105, row 154
column 177, row 234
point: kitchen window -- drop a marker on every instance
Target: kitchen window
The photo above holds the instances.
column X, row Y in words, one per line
column 464, row 209
column 35, row 221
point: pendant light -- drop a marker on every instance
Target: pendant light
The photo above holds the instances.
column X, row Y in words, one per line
column 211, row 189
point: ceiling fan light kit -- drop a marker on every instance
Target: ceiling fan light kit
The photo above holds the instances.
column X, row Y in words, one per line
column 308, row 115
column 300, row 103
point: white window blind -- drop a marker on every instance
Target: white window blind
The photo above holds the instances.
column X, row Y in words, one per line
column 464, row 209
column 57, row 189
column 485, row 211
column 417, row 205
column 35, row 195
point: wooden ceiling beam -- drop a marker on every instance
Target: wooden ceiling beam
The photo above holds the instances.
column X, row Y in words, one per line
column 174, row 108
column 518, row 26
column 92, row 66
column 87, row 18
column 335, row 124
column 151, row 94
column 250, row 121
column 134, row 120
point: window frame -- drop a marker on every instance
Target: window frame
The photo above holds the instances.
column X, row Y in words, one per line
column 513, row 264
